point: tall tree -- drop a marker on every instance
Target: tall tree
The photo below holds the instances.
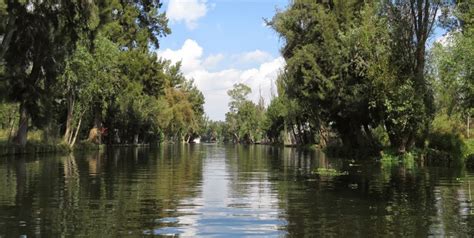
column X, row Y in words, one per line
column 409, row 111
column 134, row 25
column 331, row 60
column 38, row 37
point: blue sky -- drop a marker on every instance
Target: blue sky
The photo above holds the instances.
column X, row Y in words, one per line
column 229, row 27
column 222, row 42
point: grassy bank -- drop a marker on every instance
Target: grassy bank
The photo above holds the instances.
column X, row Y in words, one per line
column 32, row 148
column 8, row 149
column 38, row 145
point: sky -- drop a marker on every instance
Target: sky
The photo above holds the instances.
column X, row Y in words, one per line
column 224, row 42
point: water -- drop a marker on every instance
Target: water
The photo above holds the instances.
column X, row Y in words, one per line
column 229, row 191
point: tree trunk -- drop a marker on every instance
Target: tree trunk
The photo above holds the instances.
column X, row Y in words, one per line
column 69, row 118
column 236, row 138
column 135, row 139
column 77, row 132
column 323, row 136
column 22, row 132
column 467, row 129
column 12, row 124
column 402, row 145
column 297, row 139
column 11, row 28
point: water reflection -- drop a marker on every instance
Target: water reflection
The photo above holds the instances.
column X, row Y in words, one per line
column 214, row 190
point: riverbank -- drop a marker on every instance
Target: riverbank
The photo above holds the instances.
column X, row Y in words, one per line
column 33, row 148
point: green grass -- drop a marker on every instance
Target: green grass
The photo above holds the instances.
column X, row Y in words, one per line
column 36, row 144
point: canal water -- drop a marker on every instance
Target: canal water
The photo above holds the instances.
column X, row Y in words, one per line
column 209, row 190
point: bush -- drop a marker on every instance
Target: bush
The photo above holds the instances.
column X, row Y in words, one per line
column 381, row 136
column 470, row 161
column 449, row 143
column 443, row 123
column 87, row 146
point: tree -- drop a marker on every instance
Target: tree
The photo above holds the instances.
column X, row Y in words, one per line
column 89, row 79
column 38, row 36
column 411, row 23
column 134, row 26
column 245, row 118
column 329, row 51
column 451, row 71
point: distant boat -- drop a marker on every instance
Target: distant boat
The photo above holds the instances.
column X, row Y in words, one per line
column 197, row 140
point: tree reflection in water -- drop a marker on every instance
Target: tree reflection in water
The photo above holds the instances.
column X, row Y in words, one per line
column 202, row 190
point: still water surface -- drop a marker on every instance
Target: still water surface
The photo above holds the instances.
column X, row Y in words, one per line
column 229, row 191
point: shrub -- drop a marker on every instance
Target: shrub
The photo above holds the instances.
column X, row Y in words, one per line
column 381, row 136
column 443, row 123
column 470, row 161
column 450, row 143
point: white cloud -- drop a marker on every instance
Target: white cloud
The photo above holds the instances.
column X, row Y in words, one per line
column 187, row 11
column 256, row 56
column 215, row 83
column 190, row 55
column 213, row 60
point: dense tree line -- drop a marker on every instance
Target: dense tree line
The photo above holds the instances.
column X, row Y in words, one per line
column 88, row 70
column 363, row 74
column 359, row 69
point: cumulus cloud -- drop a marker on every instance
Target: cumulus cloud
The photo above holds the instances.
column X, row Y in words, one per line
column 187, row 11
column 215, row 83
column 190, row 55
column 256, row 56
column 213, row 60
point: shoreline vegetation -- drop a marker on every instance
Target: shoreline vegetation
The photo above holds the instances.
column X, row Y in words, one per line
column 361, row 79
column 365, row 80
column 438, row 156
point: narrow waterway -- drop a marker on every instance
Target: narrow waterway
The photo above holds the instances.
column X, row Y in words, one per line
column 207, row 190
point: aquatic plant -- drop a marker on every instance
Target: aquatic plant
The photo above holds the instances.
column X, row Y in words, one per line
column 329, row 172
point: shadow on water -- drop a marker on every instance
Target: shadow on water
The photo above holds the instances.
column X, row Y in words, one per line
column 229, row 190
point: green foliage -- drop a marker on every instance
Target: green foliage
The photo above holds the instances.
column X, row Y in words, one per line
column 214, row 131
column 381, row 136
column 469, row 147
column 8, row 115
column 447, row 142
column 133, row 24
column 329, row 172
column 37, row 38
column 469, row 153
column 88, row 64
column 274, row 124
column 445, row 124
column 355, row 66
column 470, row 161
column 451, row 74
column 332, row 66
column 391, row 158
column 245, row 118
